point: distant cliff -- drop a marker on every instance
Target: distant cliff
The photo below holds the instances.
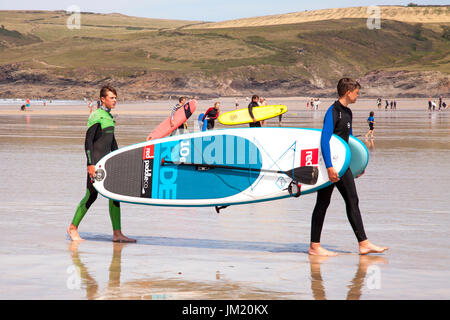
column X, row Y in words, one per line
column 41, row 57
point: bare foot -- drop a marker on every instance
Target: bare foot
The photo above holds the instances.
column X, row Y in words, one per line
column 119, row 237
column 366, row 247
column 316, row 249
column 72, row 231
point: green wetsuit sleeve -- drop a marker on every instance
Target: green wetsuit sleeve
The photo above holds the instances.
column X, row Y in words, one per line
column 89, row 142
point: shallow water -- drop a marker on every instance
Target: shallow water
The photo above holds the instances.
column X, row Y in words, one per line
column 254, row 251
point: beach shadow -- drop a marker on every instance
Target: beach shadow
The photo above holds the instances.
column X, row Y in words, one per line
column 212, row 244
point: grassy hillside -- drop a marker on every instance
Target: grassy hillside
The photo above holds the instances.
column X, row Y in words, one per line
column 149, row 54
column 413, row 14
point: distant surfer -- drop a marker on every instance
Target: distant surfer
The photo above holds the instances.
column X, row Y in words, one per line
column 91, row 106
column 99, row 142
column 183, row 126
column 370, row 121
column 251, row 105
column 338, row 120
column 212, row 114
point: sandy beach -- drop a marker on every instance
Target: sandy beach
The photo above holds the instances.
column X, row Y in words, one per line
column 257, row 251
column 160, row 108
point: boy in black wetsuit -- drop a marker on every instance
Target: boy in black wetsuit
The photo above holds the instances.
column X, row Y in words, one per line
column 338, row 120
column 100, row 141
column 251, row 105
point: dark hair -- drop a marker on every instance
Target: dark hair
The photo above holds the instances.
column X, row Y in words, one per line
column 105, row 89
column 255, row 97
column 347, row 84
column 371, row 113
column 181, row 99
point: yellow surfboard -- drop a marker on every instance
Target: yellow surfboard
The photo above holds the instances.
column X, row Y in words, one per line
column 242, row 116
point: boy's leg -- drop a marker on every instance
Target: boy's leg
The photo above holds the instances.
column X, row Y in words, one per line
column 347, row 188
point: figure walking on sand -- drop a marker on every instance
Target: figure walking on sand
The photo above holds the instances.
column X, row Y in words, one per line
column 370, row 121
column 99, row 142
column 338, row 120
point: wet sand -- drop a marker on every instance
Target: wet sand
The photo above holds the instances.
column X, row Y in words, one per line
column 254, row 251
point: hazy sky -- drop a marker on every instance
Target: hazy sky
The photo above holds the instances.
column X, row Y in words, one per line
column 205, row 10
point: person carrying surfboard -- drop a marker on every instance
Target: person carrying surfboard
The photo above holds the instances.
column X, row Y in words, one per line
column 99, row 142
column 338, row 120
column 252, row 104
column 212, row 114
column 183, row 126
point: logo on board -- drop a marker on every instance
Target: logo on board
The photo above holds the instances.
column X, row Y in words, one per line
column 309, row 157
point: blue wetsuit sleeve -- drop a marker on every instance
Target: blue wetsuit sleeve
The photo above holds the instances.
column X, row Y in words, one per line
column 327, row 132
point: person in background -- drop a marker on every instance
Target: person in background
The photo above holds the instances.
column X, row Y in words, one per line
column 371, row 122
column 212, row 114
column 251, row 105
column 91, row 106
column 182, row 127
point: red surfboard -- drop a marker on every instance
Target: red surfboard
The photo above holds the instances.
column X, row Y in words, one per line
column 180, row 117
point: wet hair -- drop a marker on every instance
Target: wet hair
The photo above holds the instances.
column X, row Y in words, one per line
column 105, row 89
column 347, row 84
column 371, row 114
column 255, row 97
column 181, row 99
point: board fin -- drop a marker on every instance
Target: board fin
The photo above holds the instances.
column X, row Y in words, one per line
column 220, row 208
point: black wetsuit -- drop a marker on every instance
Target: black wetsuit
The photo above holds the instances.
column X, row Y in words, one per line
column 250, row 110
column 338, row 120
column 212, row 114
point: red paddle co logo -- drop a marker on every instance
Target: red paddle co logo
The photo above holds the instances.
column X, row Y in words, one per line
column 309, row 157
column 149, row 152
column 148, row 155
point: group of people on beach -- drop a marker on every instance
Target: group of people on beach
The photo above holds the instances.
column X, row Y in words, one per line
column 432, row 106
column 313, row 104
column 392, row 104
column 100, row 140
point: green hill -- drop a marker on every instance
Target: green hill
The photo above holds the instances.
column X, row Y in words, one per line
column 40, row 56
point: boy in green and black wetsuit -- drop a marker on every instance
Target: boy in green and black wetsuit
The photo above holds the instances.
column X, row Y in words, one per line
column 99, row 142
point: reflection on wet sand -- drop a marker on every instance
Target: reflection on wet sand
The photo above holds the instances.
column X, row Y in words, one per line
column 160, row 289
column 370, row 144
column 355, row 286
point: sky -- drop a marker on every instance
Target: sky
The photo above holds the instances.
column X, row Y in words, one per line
column 200, row 10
